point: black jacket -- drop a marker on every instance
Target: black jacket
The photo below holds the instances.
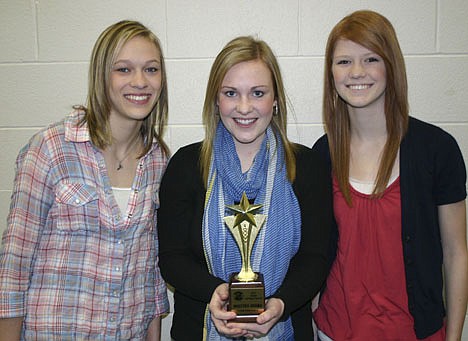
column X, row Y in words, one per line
column 182, row 260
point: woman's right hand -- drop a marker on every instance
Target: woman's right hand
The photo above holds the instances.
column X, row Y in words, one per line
column 219, row 313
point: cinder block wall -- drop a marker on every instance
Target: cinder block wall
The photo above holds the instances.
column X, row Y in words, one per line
column 45, row 47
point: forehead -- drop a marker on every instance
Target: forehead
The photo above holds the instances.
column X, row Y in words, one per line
column 138, row 46
column 349, row 47
column 249, row 71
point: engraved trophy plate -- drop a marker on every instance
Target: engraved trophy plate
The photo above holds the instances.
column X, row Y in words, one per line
column 246, row 288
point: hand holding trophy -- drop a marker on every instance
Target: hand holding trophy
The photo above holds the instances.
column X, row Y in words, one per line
column 246, row 289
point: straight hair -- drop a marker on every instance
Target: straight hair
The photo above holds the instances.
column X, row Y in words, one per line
column 376, row 33
column 98, row 106
column 238, row 50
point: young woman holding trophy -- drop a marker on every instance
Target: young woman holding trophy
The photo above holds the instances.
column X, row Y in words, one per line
column 246, row 200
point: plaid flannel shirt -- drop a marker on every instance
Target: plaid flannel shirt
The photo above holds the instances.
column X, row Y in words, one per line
column 71, row 264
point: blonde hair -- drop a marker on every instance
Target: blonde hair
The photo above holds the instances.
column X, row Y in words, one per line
column 97, row 110
column 376, row 33
column 238, row 50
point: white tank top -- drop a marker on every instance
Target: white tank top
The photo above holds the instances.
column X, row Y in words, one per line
column 121, row 196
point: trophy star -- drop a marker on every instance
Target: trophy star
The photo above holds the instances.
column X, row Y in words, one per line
column 245, row 211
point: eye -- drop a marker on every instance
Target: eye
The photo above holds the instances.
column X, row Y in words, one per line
column 258, row 93
column 342, row 62
column 122, row 69
column 372, row 59
column 152, row 69
column 229, row 93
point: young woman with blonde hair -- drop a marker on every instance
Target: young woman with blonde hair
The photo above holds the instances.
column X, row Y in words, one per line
column 245, row 150
column 79, row 257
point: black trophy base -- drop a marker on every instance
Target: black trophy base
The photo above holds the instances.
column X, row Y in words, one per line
column 246, row 299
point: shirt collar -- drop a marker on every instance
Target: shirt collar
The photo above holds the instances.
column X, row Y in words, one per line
column 74, row 131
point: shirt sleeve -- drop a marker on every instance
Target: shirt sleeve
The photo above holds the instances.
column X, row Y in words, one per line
column 179, row 225
column 450, row 171
column 308, row 268
column 31, row 198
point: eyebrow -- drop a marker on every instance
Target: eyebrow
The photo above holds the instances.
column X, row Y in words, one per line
column 253, row 87
column 157, row 61
column 349, row 56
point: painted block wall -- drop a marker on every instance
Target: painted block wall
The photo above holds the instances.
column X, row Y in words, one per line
column 45, row 46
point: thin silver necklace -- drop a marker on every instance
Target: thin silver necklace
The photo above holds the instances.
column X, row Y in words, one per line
column 119, row 166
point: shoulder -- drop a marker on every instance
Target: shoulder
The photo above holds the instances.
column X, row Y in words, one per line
column 321, row 143
column 310, row 164
column 322, row 147
column 429, row 142
column 183, row 172
column 51, row 134
column 184, row 163
column 187, row 155
column 427, row 134
column 304, row 154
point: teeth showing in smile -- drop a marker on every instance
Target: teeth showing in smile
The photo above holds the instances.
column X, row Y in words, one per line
column 244, row 121
column 359, row 86
column 137, row 97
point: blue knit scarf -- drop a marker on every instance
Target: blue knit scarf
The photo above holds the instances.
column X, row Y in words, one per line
column 266, row 182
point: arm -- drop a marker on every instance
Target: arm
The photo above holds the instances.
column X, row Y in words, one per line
column 31, row 198
column 10, row 329
column 452, row 221
column 154, row 330
column 181, row 257
column 308, row 268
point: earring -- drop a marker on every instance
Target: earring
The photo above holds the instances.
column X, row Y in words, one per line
column 275, row 110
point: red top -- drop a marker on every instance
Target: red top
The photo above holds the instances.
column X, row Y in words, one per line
column 366, row 295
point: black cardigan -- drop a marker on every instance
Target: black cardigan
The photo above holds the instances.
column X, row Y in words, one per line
column 432, row 173
column 182, row 260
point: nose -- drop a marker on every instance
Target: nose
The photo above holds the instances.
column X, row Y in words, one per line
column 357, row 71
column 138, row 80
column 243, row 105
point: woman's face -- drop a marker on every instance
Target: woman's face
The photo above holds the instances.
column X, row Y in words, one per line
column 246, row 100
column 359, row 75
column 135, row 80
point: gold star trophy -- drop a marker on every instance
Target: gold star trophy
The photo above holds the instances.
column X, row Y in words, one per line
column 246, row 289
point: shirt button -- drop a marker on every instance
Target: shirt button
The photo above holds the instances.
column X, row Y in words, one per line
column 117, row 268
column 77, row 201
column 120, row 242
column 112, row 318
column 115, row 293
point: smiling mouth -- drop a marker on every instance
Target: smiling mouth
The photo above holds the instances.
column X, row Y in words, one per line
column 245, row 121
column 359, row 86
column 138, row 98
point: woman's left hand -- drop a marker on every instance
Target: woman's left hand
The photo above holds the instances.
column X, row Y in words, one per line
column 265, row 321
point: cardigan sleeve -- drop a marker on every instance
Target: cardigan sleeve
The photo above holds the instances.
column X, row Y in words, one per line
column 179, row 225
column 450, row 172
column 308, row 268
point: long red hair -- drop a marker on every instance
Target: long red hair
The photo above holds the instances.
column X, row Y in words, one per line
column 376, row 33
